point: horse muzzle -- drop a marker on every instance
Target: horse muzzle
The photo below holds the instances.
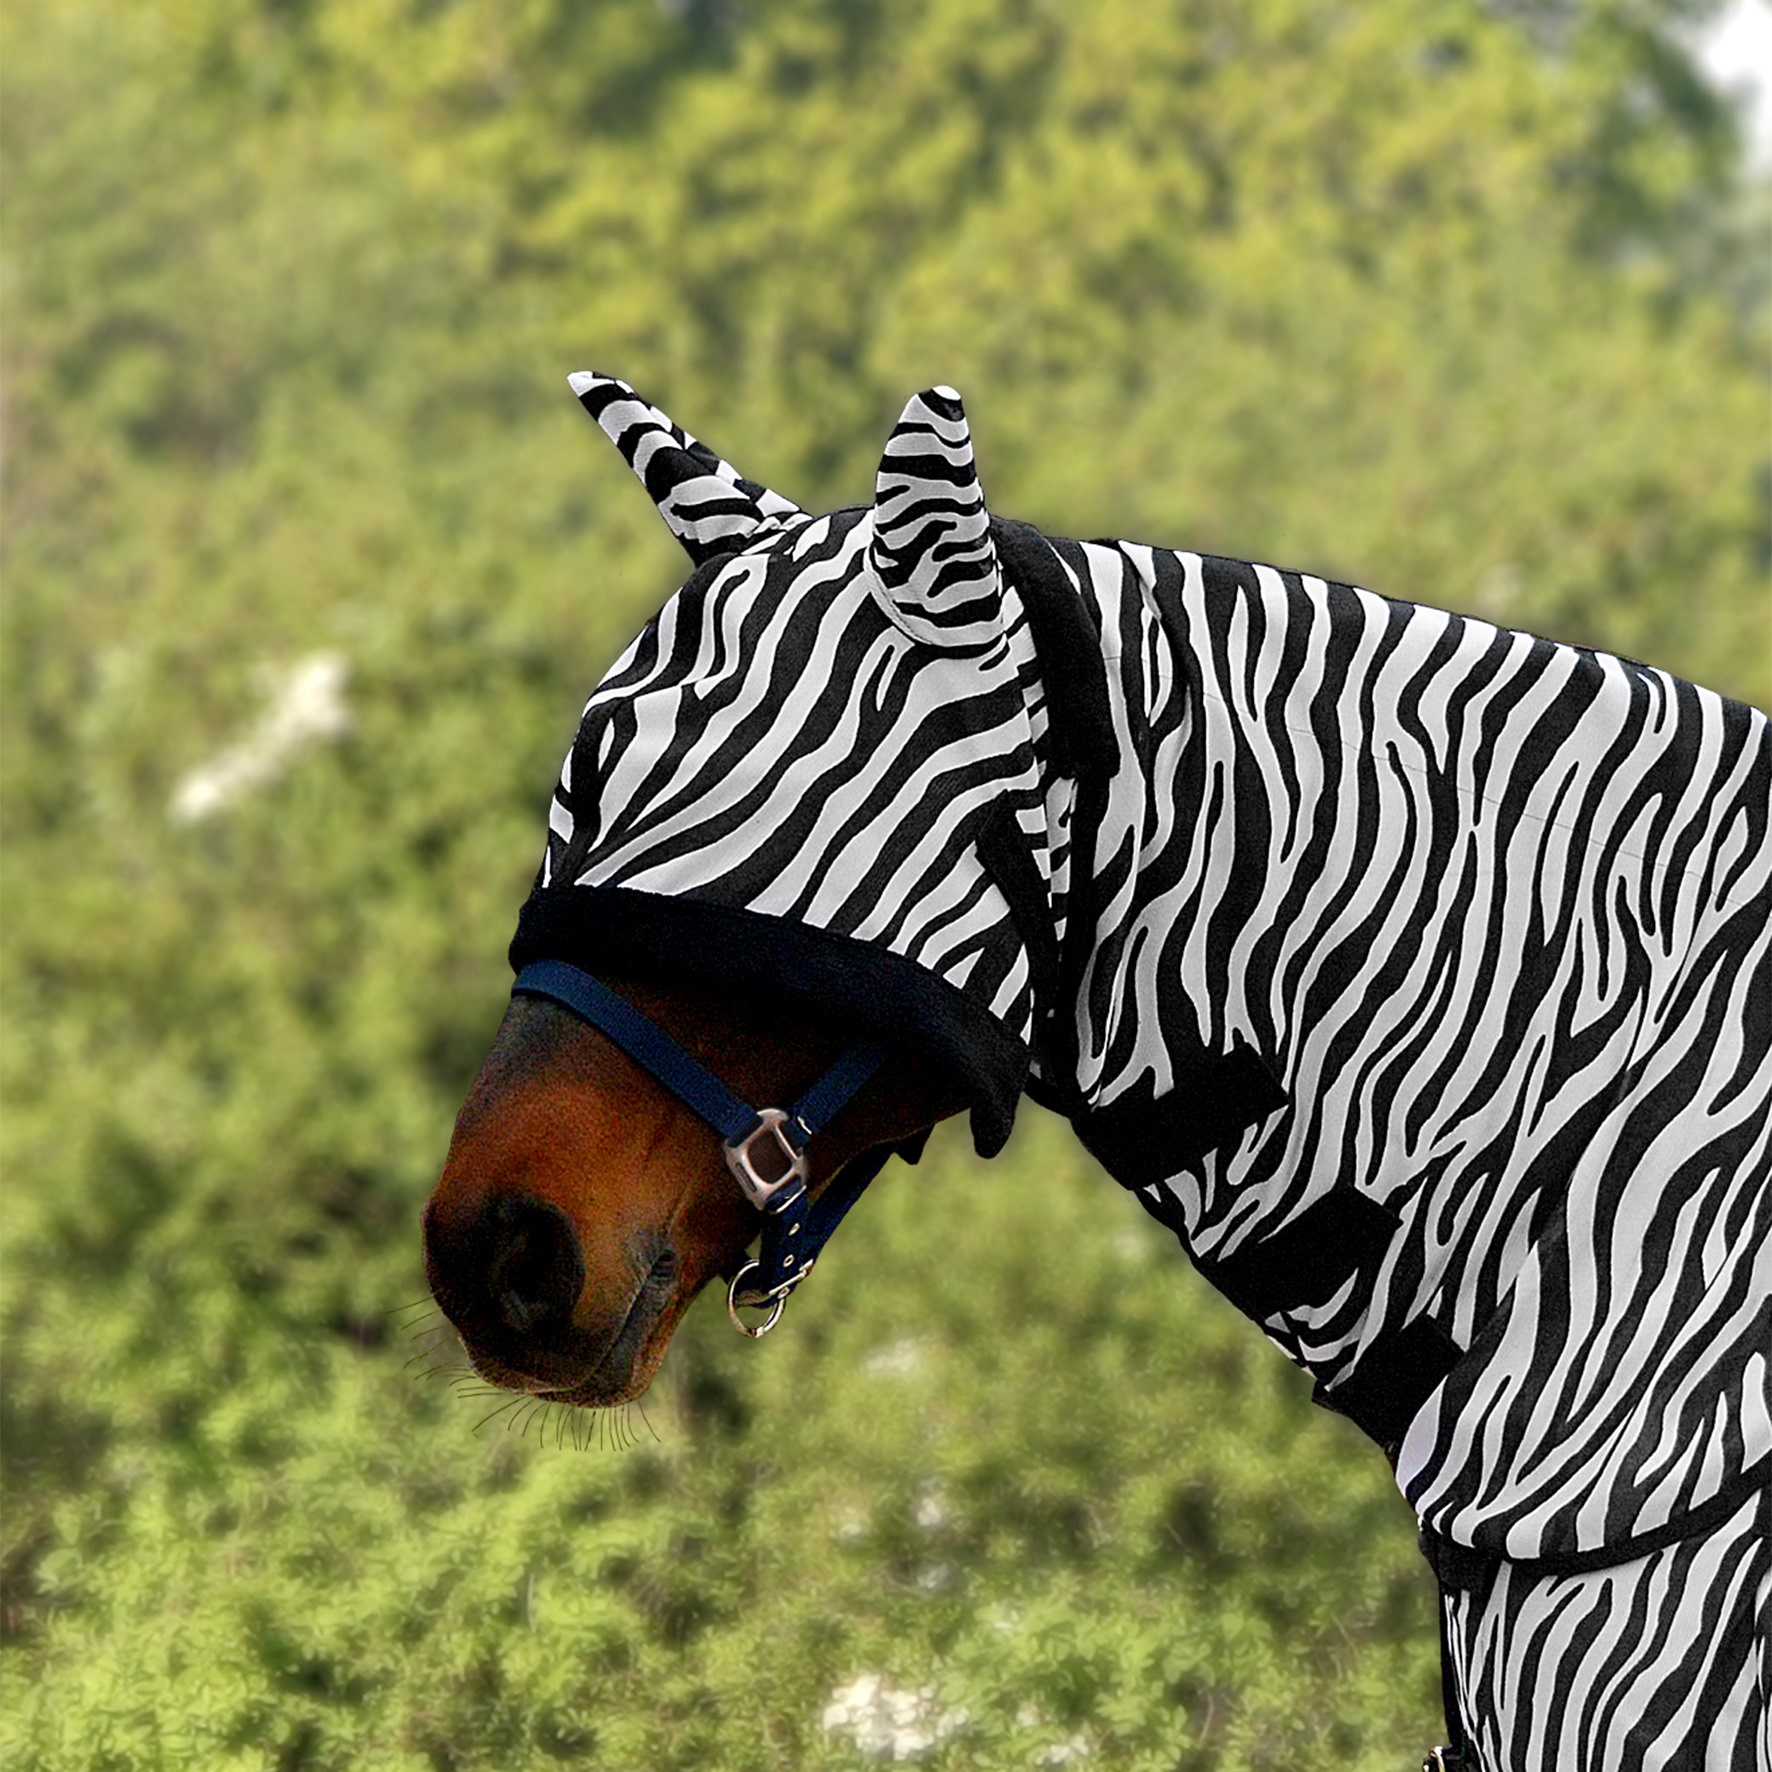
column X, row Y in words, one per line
column 509, row 1272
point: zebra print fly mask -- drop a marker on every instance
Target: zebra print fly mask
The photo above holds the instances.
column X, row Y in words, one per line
column 1416, row 973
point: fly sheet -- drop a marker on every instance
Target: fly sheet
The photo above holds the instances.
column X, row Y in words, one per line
column 1417, row 973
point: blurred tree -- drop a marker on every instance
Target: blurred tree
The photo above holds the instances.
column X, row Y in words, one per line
column 1440, row 297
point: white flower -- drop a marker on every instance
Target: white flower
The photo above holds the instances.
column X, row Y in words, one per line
column 890, row 1722
column 1130, row 1245
column 307, row 705
column 897, row 1359
column 1061, row 1753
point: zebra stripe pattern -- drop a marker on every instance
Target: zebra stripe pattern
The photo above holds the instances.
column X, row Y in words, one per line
column 708, row 505
column 1660, row 1664
column 935, row 569
column 713, row 762
column 1492, row 915
column 1499, row 911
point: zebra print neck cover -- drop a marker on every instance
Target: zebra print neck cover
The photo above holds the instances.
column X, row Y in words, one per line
column 1416, row 973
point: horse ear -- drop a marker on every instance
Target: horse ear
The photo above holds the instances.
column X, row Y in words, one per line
column 710, row 507
column 934, row 565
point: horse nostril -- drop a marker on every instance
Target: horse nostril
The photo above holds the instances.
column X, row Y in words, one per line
column 536, row 1272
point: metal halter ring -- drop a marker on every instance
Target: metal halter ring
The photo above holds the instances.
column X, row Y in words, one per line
column 777, row 1302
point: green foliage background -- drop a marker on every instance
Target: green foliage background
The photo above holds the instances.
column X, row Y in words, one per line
column 1453, row 300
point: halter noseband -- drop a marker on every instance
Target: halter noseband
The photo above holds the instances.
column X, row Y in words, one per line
column 765, row 1148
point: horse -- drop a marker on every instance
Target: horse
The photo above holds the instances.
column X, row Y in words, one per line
column 1415, row 973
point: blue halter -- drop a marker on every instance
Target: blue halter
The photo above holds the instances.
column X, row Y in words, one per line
column 765, row 1148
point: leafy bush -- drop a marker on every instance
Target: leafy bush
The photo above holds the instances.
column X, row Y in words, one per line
column 1417, row 295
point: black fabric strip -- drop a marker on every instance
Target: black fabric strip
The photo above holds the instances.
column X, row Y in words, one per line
column 1309, row 1260
column 1395, row 1376
column 1142, row 1138
column 1457, row 1565
column 1457, row 1754
column 647, row 935
column 1706, row 1517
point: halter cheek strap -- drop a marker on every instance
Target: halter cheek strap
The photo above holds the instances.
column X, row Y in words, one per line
column 765, row 1148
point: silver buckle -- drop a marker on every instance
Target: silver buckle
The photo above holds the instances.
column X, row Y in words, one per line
column 758, row 1188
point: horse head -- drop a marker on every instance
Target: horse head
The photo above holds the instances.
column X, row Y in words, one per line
column 763, row 848
column 583, row 1206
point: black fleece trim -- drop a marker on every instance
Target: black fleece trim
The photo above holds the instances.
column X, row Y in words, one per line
column 650, row 935
column 1073, row 670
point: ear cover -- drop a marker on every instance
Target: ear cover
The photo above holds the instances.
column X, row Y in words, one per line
column 709, row 506
column 934, row 564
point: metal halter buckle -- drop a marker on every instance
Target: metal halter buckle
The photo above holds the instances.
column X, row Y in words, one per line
column 760, row 1189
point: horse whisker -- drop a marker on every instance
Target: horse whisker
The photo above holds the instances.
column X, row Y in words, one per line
column 512, row 1404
